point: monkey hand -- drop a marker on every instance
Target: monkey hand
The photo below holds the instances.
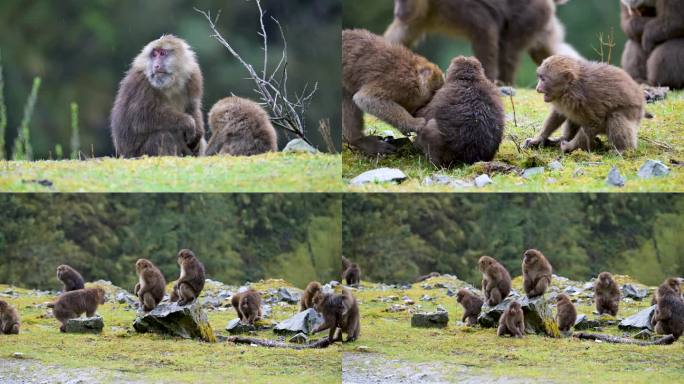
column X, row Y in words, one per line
column 565, row 146
column 533, row 142
column 191, row 134
column 419, row 123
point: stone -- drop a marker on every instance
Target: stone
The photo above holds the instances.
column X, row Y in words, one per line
column 305, row 322
column 570, row 290
column 289, row 295
column 555, row 165
column 211, row 302
column 628, row 290
column 489, row 316
column 538, row 316
column 299, row 338
column 583, row 322
column 188, row 322
column 447, row 181
column 379, row 175
column 84, row 325
column 644, row 335
column 507, row 91
column 653, row 168
column 18, row 355
column 438, row 319
column 299, row 145
column 483, row 180
column 396, row 308
column 235, row 327
column 640, row 320
column 614, row 178
column 530, row 172
column 653, row 94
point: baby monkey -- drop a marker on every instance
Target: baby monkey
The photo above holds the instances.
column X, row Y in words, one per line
column 9, row 319
column 512, row 321
column 472, row 305
column 339, row 311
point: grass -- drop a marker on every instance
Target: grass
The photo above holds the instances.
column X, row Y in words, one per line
column 481, row 353
column 660, row 138
column 274, row 172
column 154, row 358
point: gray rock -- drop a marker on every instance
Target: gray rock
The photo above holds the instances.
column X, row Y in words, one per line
column 304, row 322
column 266, row 311
column 84, row 325
column 388, row 133
column 189, row 322
column 225, row 294
column 211, row 302
column 379, row 175
column 396, row 308
column 507, row 91
column 583, row 322
column 571, row 290
column 489, row 316
column 555, row 165
column 653, row 94
column 614, row 178
column 628, row 290
column 538, row 316
column 438, row 319
column 299, row 338
column 18, row 355
column 638, row 321
column 289, row 295
column 644, row 335
column 446, row 180
column 235, row 327
column 299, row 145
column 483, row 180
column 653, row 168
column 529, row 172
column 426, row 298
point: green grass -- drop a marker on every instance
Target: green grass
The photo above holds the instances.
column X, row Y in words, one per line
column 275, row 172
column 660, row 138
column 483, row 354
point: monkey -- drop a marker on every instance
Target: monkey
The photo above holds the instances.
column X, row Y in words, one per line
column 71, row 279
column 345, row 264
column 471, row 306
column 72, row 304
column 667, row 24
column 594, row 98
column 633, row 18
column 339, row 311
column 465, row 117
column 306, row 301
column 157, row 111
column 352, row 275
column 385, row 80
column 9, row 319
column 512, row 321
column 428, row 276
column 606, row 294
column 566, row 314
column 191, row 281
column 151, row 284
column 665, row 65
column 551, row 41
column 536, row 273
column 672, row 283
column 247, row 304
column 668, row 317
column 496, row 281
column 240, row 127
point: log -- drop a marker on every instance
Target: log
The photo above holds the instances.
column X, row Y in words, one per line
column 665, row 340
column 323, row 343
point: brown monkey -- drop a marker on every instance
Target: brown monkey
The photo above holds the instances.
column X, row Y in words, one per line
column 566, row 315
column 633, row 18
column 247, row 304
column 339, row 311
column 606, row 294
column 157, row 111
column 594, row 98
column 345, row 264
column 72, row 304
column 668, row 317
column 667, row 24
column 512, row 321
column 536, row 273
column 674, row 284
column 387, row 81
column 311, row 290
column 191, row 281
column 151, row 284
column 9, row 319
column 551, row 41
column 240, row 127
column 70, row 277
column 465, row 117
column 428, row 276
column 471, row 305
column 496, row 281
column 352, row 275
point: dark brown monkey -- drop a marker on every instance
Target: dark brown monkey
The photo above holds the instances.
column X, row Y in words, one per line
column 9, row 319
column 672, row 283
column 633, row 18
column 151, row 284
column 606, row 294
column 471, row 305
column 387, row 81
column 551, row 41
column 345, row 264
column 352, row 275
column 428, row 276
column 465, row 117
column 70, row 277
column 512, row 321
column 565, row 313
column 157, row 111
column 667, row 24
column 536, row 273
column 247, row 304
column 191, row 281
column 594, row 98
column 496, row 281
column 311, row 290
column 668, row 317
column 339, row 311
column 72, row 304
column 240, row 127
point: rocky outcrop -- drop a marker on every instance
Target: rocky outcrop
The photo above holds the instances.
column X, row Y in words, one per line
column 189, row 322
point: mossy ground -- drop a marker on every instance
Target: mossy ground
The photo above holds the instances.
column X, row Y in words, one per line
column 154, row 358
column 660, row 138
column 274, row 172
column 477, row 352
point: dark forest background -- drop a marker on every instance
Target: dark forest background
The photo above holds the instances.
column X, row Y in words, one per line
column 398, row 237
column 81, row 50
column 238, row 237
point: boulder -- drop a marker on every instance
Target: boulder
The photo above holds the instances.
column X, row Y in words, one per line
column 438, row 319
column 235, row 326
column 638, row 321
column 290, row 295
column 584, row 322
column 538, row 315
column 628, row 290
column 299, row 145
column 489, row 316
column 305, row 322
column 189, row 322
column 84, row 325
column 380, row 175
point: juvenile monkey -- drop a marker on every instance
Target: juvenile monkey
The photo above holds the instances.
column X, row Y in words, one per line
column 465, row 117
column 247, row 304
column 339, row 311
column 157, row 111
column 590, row 98
column 71, row 279
column 240, row 127
column 536, row 273
column 9, row 319
column 566, row 314
column 472, row 305
column 311, row 290
column 496, row 281
column 512, row 321
column 72, row 304
column 151, row 284
column 672, row 283
column 668, row 317
column 352, row 275
column 606, row 294
column 191, row 281
column 386, row 80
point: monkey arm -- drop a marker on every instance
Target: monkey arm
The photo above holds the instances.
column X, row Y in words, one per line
column 660, row 29
column 633, row 25
column 551, row 124
column 388, row 111
column 136, row 289
column 401, row 33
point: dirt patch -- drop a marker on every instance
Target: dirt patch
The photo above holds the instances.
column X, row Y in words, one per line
column 16, row 371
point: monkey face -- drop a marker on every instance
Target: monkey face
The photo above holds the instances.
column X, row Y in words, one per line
column 604, row 278
column 462, row 293
column 142, row 264
column 3, row 305
column 554, row 76
column 484, row 263
column 674, row 284
column 185, row 254
column 162, row 60
column 514, row 307
column 530, row 257
column 101, row 296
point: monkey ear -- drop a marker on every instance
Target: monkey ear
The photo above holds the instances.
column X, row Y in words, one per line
column 570, row 76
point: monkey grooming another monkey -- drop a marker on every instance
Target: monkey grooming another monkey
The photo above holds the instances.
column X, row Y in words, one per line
column 465, row 117
column 606, row 294
column 157, row 111
column 536, row 273
column 590, row 98
column 9, row 319
column 672, row 283
column 72, row 304
column 566, row 314
column 512, row 321
column 385, row 80
column 240, row 127
column 496, row 281
column 339, row 311
column 668, row 317
column 71, row 279
column 472, row 305
column 151, row 284
column 247, row 304
column 191, row 281
column 352, row 275
column 311, row 290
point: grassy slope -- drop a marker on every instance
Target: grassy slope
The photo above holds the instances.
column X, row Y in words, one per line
column 154, row 358
column 277, row 172
column 530, row 358
column 666, row 127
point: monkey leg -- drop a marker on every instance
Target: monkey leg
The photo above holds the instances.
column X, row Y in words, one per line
column 582, row 140
column 148, row 302
column 165, row 143
column 495, row 297
column 501, row 330
column 539, row 287
column 634, row 61
column 509, row 58
column 664, row 65
column 388, row 111
column 622, row 131
column 353, row 329
column 90, row 313
column 174, row 294
column 551, row 124
column 186, row 294
column 136, row 289
column 352, row 125
column 14, row 330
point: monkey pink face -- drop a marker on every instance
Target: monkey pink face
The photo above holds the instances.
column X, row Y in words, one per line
column 530, row 256
column 161, row 67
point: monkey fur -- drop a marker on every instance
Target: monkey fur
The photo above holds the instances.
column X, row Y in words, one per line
column 339, row 311
column 512, row 321
column 191, row 281
column 71, row 279
column 606, row 294
column 496, row 281
column 9, row 319
column 471, row 304
column 151, row 285
column 72, row 304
